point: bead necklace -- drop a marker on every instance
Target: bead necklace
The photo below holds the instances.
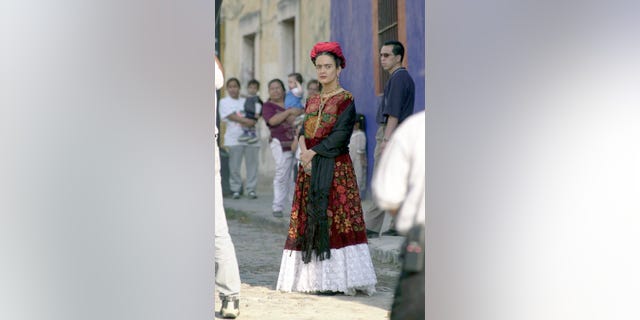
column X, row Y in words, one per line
column 324, row 96
column 328, row 93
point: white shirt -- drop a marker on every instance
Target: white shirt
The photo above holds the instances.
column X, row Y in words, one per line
column 229, row 106
column 399, row 179
column 357, row 146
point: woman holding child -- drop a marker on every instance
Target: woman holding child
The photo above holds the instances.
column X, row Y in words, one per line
column 279, row 121
column 326, row 250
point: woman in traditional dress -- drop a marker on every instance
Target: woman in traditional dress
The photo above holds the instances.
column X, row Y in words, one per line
column 326, row 250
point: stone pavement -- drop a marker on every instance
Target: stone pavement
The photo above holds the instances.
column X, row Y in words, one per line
column 383, row 249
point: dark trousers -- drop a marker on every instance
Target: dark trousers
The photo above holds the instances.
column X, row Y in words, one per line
column 224, row 172
column 408, row 302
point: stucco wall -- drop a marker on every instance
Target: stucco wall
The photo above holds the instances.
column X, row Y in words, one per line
column 242, row 17
column 312, row 25
column 346, row 21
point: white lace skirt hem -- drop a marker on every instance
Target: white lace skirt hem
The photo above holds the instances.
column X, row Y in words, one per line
column 349, row 269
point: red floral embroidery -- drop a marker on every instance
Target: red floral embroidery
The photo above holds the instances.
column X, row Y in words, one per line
column 344, row 213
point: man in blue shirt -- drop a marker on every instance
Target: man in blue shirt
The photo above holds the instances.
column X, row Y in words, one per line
column 396, row 105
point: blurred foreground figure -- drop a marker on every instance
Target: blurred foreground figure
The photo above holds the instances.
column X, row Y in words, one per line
column 227, row 272
column 399, row 187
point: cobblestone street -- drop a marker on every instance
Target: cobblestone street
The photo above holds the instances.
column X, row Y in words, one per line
column 259, row 251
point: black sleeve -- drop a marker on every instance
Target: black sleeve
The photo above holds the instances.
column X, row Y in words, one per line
column 337, row 141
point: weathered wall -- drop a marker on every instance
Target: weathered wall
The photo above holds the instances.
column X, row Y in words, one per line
column 265, row 19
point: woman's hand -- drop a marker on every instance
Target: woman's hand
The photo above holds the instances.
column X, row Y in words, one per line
column 295, row 111
column 306, row 156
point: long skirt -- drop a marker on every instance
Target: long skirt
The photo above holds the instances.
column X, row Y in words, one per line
column 349, row 268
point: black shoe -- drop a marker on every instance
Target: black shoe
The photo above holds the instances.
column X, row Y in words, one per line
column 277, row 214
column 391, row 232
column 372, row 234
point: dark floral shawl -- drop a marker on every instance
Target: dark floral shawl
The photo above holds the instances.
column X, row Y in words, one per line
column 316, row 236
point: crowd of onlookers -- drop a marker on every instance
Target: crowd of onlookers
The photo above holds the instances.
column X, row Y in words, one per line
column 239, row 112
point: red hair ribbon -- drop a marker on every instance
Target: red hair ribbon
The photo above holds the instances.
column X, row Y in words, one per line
column 332, row 47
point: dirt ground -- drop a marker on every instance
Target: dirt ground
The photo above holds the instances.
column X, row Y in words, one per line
column 259, row 250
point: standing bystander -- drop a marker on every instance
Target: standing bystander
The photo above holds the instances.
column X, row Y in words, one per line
column 396, row 105
column 282, row 136
column 358, row 153
column 232, row 111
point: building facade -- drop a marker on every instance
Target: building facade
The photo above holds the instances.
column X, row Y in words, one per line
column 362, row 27
column 268, row 39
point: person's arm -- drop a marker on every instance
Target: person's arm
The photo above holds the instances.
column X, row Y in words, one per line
column 392, row 124
column 303, row 147
column 297, row 91
column 398, row 92
column 280, row 117
column 296, row 111
column 291, row 119
column 306, row 155
column 300, row 137
column 304, row 151
column 242, row 120
column 302, row 144
column 339, row 136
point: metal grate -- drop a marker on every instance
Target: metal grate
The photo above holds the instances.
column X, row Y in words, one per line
column 387, row 30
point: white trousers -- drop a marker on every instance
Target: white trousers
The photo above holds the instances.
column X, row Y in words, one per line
column 283, row 184
column 226, row 264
